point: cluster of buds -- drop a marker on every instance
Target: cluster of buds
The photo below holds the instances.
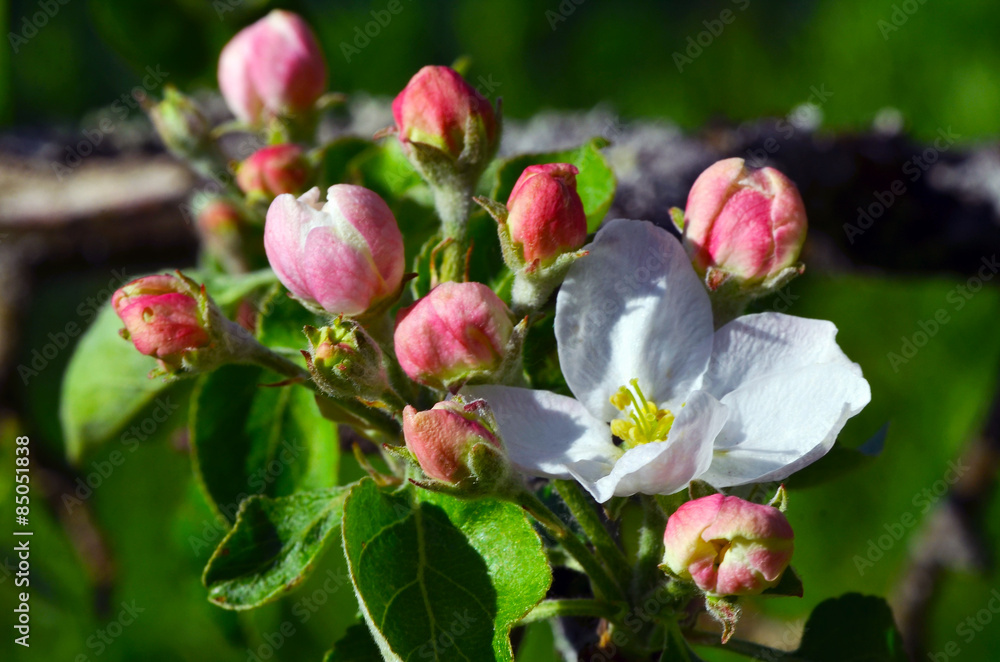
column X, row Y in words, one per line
column 271, row 69
column 344, row 257
column 541, row 230
column 743, row 229
column 345, row 361
column 459, row 333
column 274, row 170
column 727, row 547
column 172, row 319
column 457, row 446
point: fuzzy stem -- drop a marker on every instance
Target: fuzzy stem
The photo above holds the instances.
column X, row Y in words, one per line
column 647, row 572
column 607, row 549
column 601, row 580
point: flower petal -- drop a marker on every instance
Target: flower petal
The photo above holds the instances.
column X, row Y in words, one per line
column 633, row 308
column 551, row 435
column 781, row 423
column 756, row 346
column 667, row 466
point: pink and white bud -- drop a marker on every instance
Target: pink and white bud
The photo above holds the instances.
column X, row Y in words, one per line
column 748, row 223
column 161, row 317
column 456, row 331
column 442, row 437
column 274, row 67
column 274, row 170
column 435, row 108
column 728, row 546
column 546, row 214
column 344, row 256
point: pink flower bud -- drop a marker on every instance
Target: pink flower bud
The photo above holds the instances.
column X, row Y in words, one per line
column 344, row 256
column 274, row 170
column 161, row 317
column 442, row 437
column 546, row 215
column 749, row 223
column 219, row 217
column 273, row 67
column 728, row 546
column 434, row 109
column 457, row 330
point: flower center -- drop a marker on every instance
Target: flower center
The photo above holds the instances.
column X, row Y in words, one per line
column 644, row 421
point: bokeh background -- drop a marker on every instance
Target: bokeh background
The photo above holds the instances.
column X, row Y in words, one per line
column 869, row 84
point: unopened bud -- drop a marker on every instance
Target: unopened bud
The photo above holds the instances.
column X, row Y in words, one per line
column 163, row 318
column 728, row 546
column 443, row 438
column 274, row 170
column 744, row 223
column 182, row 126
column 344, row 257
column 458, row 332
column 545, row 214
column 344, row 360
column 274, row 67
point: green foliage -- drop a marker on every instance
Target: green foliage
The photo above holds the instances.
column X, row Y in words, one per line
column 441, row 577
column 272, row 547
column 596, row 182
column 851, row 628
column 355, row 646
column 97, row 401
column 248, row 438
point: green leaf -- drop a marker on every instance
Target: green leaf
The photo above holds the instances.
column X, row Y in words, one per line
column 272, row 547
column 105, row 386
column 596, row 182
column 356, row 645
column 441, row 578
column 248, row 438
column 851, row 628
column 281, row 321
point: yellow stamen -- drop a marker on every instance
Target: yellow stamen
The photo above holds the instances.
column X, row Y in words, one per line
column 645, row 422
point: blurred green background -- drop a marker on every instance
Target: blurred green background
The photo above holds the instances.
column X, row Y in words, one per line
column 940, row 69
column 938, row 65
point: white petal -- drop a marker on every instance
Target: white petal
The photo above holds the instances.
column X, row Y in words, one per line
column 632, row 308
column 756, row 346
column 780, row 424
column 667, row 466
column 551, row 435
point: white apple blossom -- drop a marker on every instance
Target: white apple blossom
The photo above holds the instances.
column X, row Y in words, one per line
column 754, row 401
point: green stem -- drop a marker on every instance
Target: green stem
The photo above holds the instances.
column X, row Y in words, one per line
column 453, row 202
column 583, row 510
column 571, row 607
column 602, row 581
column 654, row 522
